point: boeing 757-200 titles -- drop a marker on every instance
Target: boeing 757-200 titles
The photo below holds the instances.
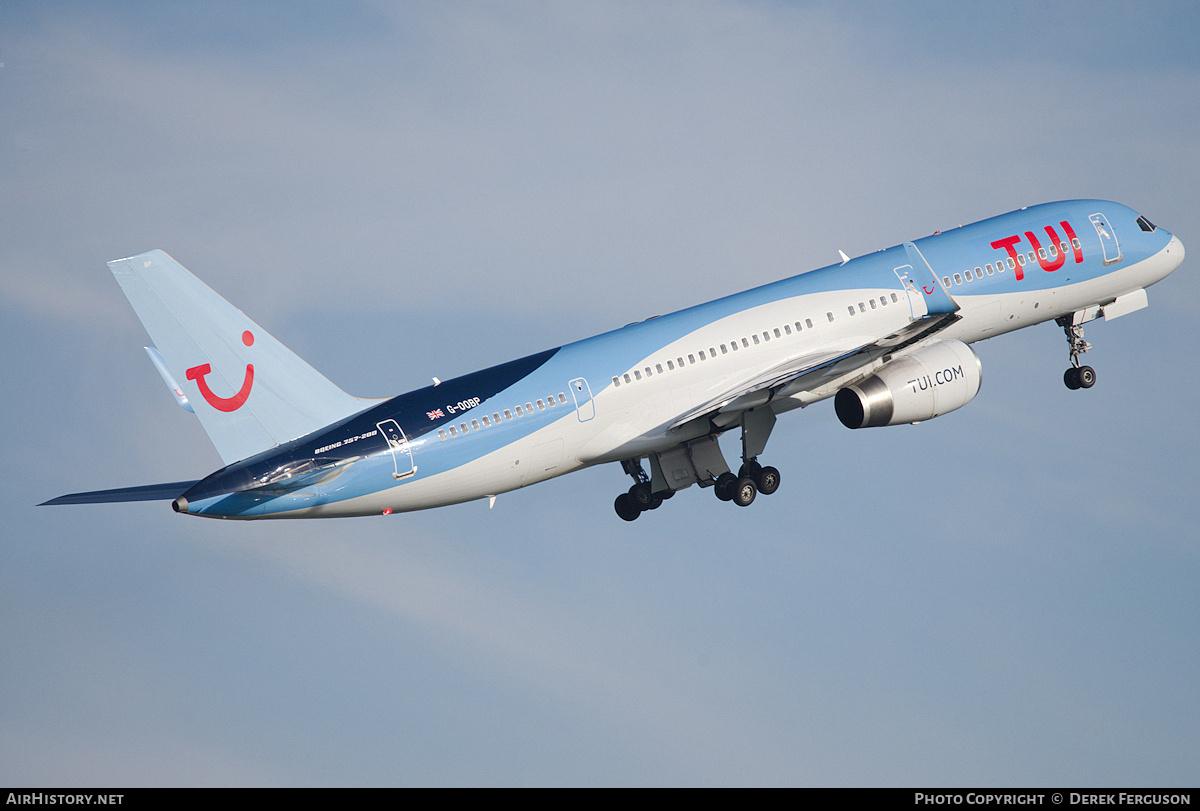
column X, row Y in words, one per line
column 885, row 335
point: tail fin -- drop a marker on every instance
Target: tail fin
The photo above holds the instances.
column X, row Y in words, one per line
column 250, row 392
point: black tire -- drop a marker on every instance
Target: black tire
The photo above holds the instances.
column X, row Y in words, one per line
column 1086, row 377
column 750, row 470
column 1071, row 378
column 641, row 496
column 767, row 480
column 655, row 502
column 724, row 486
column 625, row 508
column 744, row 492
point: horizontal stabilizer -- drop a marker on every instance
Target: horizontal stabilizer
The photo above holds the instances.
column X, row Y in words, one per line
column 147, row 492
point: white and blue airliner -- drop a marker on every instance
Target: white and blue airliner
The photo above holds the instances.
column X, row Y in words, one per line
column 885, row 335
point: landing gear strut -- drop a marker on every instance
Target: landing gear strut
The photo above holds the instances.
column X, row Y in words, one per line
column 1077, row 377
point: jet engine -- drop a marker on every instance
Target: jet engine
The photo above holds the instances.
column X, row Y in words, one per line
column 927, row 383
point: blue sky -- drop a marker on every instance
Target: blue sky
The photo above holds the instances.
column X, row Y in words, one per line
column 1002, row 596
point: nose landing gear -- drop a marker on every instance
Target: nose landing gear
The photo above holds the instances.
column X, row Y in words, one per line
column 1077, row 377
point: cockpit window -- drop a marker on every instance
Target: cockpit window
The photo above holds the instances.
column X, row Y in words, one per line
column 1145, row 224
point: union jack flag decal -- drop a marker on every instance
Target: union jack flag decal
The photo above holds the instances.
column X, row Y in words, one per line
column 433, row 415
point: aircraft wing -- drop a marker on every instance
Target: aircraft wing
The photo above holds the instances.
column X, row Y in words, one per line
column 811, row 372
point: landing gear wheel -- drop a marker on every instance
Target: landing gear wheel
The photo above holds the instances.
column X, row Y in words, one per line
column 1071, row 378
column 750, row 470
column 744, row 492
column 642, row 498
column 767, row 480
column 724, row 486
column 625, row 507
column 1086, row 377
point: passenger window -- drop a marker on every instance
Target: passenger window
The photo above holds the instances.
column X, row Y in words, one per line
column 453, row 431
column 957, row 279
column 755, row 339
column 485, row 422
column 507, row 414
column 766, row 336
column 637, row 375
column 776, row 331
column 989, row 268
column 978, row 273
column 808, row 321
column 562, row 398
column 1075, row 243
column 648, row 372
column 680, row 362
column 496, row 418
column 529, row 408
column 1020, row 259
column 734, row 346
column 745, row 343
column 441, row 435
column 851, row 309
column 475, row 425
column 872, row 302
column 627, row 378
column 883, row 301
column 541, row 405
column 712, row 353
column 862, row 308
column 894, row 299
column 462, row 426
column 787, row 328
column 691, row 358
column 658, row 368
column 550, row 401
column 701, row 354
column 671, row 365
column 520, row 413
column 829, row 315
column 724, row 350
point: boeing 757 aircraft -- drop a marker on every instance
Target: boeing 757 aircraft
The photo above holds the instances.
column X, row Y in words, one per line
column 885, row 335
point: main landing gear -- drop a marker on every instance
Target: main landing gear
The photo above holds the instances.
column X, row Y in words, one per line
column 640, row 497
column 1077, row 377
column 751, row 479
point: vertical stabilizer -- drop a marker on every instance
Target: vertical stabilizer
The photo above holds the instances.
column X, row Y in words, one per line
column 250, row 392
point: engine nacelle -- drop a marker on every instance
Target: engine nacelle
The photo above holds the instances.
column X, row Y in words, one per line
column 929, row 382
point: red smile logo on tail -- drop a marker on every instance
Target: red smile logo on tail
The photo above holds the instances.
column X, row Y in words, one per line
column 235, row 402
